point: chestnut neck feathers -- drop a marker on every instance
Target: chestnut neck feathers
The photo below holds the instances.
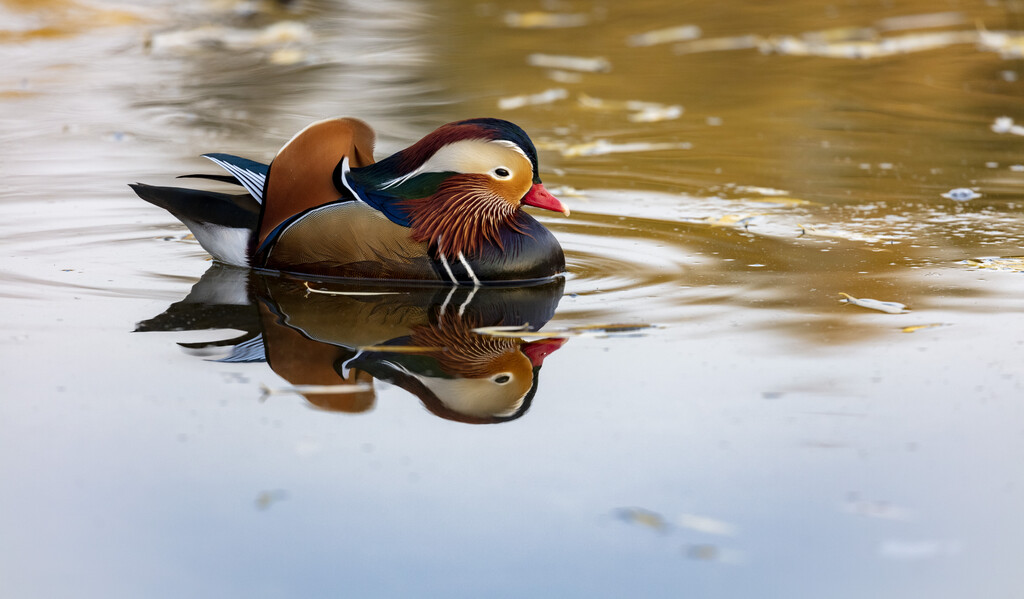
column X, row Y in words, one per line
column 460, row 216
column 458, row 187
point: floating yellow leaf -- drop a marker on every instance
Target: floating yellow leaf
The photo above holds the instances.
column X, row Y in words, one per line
column 544, row 20
column 921, row 327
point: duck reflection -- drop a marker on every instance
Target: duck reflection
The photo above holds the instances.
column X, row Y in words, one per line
column 331, row 340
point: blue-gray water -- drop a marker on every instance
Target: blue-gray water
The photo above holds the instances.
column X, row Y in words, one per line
column 760, row 439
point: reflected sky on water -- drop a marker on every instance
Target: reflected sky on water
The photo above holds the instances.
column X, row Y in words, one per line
column 751, row 435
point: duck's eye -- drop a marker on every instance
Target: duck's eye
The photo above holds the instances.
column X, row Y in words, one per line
column 501, row 173
column 501, row 379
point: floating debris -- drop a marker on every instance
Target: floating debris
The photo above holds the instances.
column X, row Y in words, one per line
column 873, row 304
column 544, row 20
column 287, row 56
column 642, row 517
column 905, row 44
column 544, row 97
column 662, row 36
column 704, row 552
column 1005, row 124
column 267, row 498
column 564, row 76
column 731, row 220
column 921, row 327
column 961, row 194
column 1009, row 45
column 765, row 191
column 1011, row 264
column 218, row 37
column 718, row 44
column 585, row 64
column 653, row 114
column 838, row 234
column 706, row 525
column 603, row 146
column 643, row 112
column 933, row 20
column 567, row 190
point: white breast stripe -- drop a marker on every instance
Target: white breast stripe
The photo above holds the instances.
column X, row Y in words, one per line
column 448, row 298
column 465, row 304
column 448, row 269
column 252, row 182
column 472, row 275
column 345, row 368
column 345, row 170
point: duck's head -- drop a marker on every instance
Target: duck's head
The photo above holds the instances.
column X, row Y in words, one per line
column 458, row 186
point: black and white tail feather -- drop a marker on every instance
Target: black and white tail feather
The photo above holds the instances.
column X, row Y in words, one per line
column 222, row 223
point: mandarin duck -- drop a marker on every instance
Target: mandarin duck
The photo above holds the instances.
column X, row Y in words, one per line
column 446, row 209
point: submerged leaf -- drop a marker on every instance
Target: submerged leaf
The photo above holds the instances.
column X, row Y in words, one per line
column 642, row 517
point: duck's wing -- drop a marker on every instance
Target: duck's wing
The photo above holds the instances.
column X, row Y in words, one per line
column 249, row 174
column 346, row 239
column 301, row 176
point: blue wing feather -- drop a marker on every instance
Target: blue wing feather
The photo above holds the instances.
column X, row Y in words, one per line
column 250, row 174
column 380, row 200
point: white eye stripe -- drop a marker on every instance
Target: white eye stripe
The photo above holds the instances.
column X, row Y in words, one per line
column 510, row 144
column 466, row 156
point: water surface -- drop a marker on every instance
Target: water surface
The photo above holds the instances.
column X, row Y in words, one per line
column 744, row 434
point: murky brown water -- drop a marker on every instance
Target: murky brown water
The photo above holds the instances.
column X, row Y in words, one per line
column 727, row 186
